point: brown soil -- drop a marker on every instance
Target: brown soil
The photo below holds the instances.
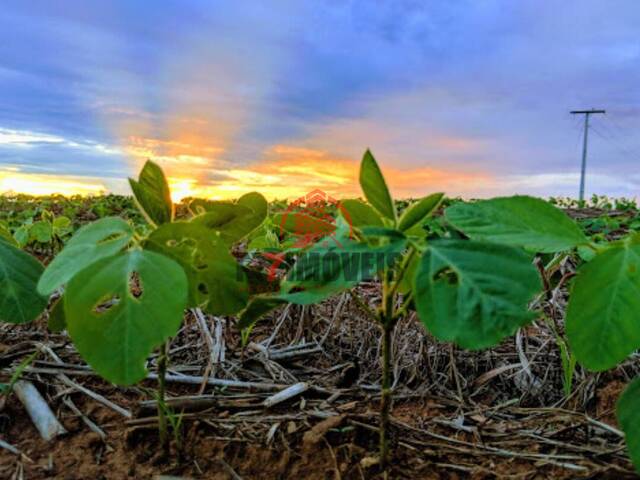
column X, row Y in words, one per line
column 343, row 446
column 457, row 414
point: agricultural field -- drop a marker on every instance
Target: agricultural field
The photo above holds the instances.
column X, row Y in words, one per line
column 365, row 338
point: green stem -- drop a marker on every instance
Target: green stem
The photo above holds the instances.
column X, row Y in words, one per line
column 385, row 399
column 403, row 269
column 162, row 407
column 387, row 322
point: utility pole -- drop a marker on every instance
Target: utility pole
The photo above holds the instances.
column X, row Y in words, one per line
column 583, row 170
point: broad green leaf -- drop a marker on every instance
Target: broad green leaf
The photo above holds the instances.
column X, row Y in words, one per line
column 121, row 308
column 258, row 204
column 474, row 293
column 57, row 320
column 419, row 211
column 152, row 194
column 246, row 215
column 19, row 273
column 21, row 235
column 97, row 240
column 602, row 316
column 375, row 188
column 257, row 308
column 628, row 414
column 61, row 223
column 216, row 281
column 230, row 221
column 327, row 269
column 520, row 221
column 300, row 223
column 41, row 232
column 359, row 214
column 198, row 206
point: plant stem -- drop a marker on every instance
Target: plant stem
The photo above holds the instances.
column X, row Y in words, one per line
column 385, row 399
column 402, row 269
column 162, row 407
column 387, row 322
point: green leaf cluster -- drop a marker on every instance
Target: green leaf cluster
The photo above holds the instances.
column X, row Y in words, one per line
column 124, row 291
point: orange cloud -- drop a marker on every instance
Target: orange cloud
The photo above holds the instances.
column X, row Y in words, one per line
column 290, row 172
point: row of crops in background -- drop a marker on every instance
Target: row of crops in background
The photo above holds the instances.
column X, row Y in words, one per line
column 43, row 224
column 120, row 274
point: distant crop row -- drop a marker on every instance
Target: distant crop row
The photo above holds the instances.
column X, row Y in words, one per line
column 122, row 285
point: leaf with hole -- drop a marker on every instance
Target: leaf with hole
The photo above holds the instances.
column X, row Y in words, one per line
column 19, row 273
column 228, row 221
column 97, row 240
column 474, row 293
column 121, row 308
column 217, row 284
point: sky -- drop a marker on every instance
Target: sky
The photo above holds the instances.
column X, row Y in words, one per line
column 467, row 97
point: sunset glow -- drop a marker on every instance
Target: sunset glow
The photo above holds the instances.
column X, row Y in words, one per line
column 33, row 184
column 244, row 98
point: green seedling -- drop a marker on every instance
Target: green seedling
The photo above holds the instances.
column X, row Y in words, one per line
column 126, row 289
column 472, row 292
column 602, row 316
column 602, row 323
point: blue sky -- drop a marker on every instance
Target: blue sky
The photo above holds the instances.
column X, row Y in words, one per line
column 470, row 97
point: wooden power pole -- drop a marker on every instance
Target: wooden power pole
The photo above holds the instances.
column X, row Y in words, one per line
column 583, row 170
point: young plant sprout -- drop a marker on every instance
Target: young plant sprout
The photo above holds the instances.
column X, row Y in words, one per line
column 474, row 292
column 125, row 294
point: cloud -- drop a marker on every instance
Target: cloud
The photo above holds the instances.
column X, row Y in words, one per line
column 26, row 138
column 467, row 97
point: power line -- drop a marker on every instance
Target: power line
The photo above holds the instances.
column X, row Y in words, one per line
column 583, row 168
column 621, row 148
column 617, row 133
